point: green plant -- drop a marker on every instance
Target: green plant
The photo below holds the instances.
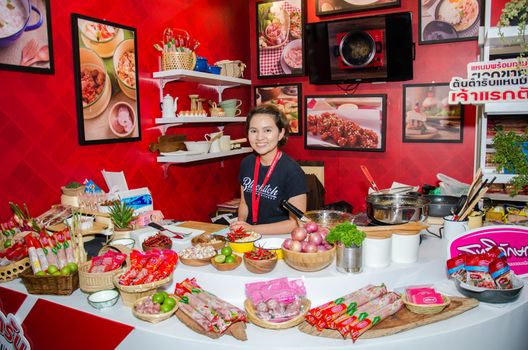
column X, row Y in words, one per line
column 515, row 12
column 346, row 233
column 509, row 156
column 121, row 214
column 73, row 184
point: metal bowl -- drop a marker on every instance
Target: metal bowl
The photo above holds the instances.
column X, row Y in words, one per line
column 395, row 209
column 329, row 218
column 494, row 296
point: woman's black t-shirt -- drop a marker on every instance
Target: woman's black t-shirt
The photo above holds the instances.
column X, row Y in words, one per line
column 287, row 180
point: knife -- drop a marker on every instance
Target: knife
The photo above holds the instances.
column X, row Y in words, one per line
column 178, row 235
column 294, row 210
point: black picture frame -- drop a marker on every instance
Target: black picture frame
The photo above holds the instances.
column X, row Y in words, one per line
column 287, row 97
column 427, row 116
column 107, row 112
column 368, row 114
column 435, row 29
column 332, row 7
column 27, row 49
column 272, row 58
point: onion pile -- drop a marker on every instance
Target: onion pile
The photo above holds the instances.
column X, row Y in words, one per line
column 308, row 239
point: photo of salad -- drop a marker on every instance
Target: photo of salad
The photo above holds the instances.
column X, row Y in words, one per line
column 279, row 37
column 286, row 99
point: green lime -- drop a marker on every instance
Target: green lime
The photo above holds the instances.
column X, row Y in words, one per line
column 220, row 258
column 227, row 251
column 40, row 273
column 158, row 298
column 56, row 273
column 170, row 301
column 52, row 269
column 166, row 308
column 230, row 259
column 7, row 243
column 73, row 266
column 65, row 271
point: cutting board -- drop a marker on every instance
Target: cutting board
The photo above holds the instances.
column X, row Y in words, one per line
column 401, row 321
column 237, row 329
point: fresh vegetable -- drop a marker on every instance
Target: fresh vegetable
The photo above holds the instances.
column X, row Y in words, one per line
column 259, row 254
column 346, row 233
column 311, row 227
column 299, row 234
column 237, row 234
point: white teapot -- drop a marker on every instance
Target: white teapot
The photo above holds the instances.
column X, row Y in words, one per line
column 169, row 106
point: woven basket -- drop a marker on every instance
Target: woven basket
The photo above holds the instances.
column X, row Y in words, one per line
column 231, row 68
column 93, row 282
column 129, row 294
column 13, row 270
column 55, row 285
column 428, row 309
column 178, row 60
column 153, row 318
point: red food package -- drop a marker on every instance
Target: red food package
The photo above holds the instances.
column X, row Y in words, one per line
column 495, row 252
column 500, row 272
column 456, row 267
column 477, row 267
column 96, row 264
column 137, row 262
column 168, row 264
column 374, row 318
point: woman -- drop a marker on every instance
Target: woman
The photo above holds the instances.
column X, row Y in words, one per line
column 269, row 176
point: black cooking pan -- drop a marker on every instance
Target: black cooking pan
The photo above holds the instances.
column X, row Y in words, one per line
column 442, row 205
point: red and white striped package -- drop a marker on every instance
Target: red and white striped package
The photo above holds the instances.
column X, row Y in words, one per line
column 368, row 321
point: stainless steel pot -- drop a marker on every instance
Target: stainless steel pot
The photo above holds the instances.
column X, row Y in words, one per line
column 357, row 49
column 394, row 209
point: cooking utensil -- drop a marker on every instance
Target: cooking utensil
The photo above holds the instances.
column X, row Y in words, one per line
column 178, row 235
column 369, row 178
column 357, row 48
column 396, row 208
column 294, row 210
column 441, row 205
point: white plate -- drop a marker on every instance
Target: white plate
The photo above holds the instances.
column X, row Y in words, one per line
column 140, row 235
column 291, row 45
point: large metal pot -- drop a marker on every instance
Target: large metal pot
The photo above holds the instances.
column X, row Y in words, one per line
column 394, row 209
column 357, row 49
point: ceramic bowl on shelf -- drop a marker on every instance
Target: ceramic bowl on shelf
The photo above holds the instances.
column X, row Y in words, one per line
column 103, row 299
column 198, row 146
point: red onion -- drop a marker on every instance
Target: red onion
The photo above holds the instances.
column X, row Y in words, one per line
column 321, row 248
column 315, row 238
column 311, row 227
column 323, row 231
column 299, row 234
column 303, row 245
column 287, row 243
column 310, row 248
column 295, row 246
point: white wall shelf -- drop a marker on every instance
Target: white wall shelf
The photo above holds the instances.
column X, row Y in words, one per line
column 506, row 197
column 509, row 43
column 163, row 124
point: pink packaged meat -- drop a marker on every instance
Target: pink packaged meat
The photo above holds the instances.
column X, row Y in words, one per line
column 368, row 320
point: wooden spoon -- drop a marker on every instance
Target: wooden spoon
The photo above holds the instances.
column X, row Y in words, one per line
column 28, row 52
column 41, row 56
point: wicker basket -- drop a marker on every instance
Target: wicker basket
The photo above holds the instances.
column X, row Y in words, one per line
column 93, row 282
column 55, row 285
column 231, row 68
column 428, row 309
column 178, row 60
column 153, row 318
column 13, row 270
column 129, row 294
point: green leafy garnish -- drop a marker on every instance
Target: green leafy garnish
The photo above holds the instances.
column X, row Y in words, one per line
column 346, row 233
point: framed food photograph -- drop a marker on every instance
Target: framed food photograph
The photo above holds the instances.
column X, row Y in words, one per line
column 286, row 98
column 331, row 7
column 105, row 61
column 428, row 117
column 280, row 38
column 442, row 21
column 26, row 43
column 341, row 122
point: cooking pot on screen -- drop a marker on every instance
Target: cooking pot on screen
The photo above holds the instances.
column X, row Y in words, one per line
column 357, row 49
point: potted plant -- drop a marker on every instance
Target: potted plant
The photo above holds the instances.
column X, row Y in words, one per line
column 349, row 241
column 515, row 13
column 121, row 216
column 510, row 156
column 73, row 189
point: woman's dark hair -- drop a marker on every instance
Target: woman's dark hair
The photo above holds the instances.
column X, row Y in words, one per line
column 280, row 119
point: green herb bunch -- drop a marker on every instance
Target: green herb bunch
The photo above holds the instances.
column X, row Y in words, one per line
column 346, row 233
column 73, row 184
column 121, row 214
column 509, row 155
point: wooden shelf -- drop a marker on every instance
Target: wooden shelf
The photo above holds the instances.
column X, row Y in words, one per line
column 200, row 78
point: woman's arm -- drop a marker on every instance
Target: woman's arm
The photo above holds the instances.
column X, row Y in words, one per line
column 275, row 228
column 242, row 208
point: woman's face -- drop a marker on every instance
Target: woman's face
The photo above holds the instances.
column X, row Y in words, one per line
column 263, row 134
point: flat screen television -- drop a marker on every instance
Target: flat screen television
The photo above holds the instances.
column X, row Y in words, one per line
column 366, row 49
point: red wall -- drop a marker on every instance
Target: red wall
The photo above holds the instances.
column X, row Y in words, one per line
column 410, row 163
column 38, row 133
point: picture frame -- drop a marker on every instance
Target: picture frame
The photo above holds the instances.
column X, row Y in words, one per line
column 29, row 47
column 437, row 25
column 427, row 116
column 362, row 121
column 105, row 57
column 280, row 38
column 287, row 98
column 332, row 7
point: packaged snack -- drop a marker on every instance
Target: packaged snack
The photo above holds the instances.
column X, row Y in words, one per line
column 456, row 267
column 374, row 318
column 495, row 252
column 500, row 272
column 47, row 247
column 424, row 296
column 477, row 267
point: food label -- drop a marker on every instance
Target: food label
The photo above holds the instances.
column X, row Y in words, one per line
column 12, row 334
column 511, row 240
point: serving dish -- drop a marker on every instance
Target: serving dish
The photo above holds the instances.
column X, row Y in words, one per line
column 128, row 87
column 197, row 146
column 396, row 208
column 242, row 247
column 104, row 47
column 493, row 296
column 152, row 318
column 195, row 262
column 122, row 119
column 260, row 266
column 329, row 218
column 426, row 309
column 309, row 261
column 227, row 266
column 90, row 60
column 103, row 299
column 252, row 316
column 206, row 238
column 127, row 242
column 271, row 244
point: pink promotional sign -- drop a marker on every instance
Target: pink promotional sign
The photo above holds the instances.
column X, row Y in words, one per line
column 512, row 240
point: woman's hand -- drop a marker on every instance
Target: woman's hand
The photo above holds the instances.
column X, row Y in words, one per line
column 241, row 224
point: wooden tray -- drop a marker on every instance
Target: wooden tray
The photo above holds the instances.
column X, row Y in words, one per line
column 237, row 329
column 401, row 321
column 250, row 310
column 195, row 262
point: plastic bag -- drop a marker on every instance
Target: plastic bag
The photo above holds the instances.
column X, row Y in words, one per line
column 452, row 187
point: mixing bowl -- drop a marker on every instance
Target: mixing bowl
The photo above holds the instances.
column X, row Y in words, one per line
column 394, row 209
column 329, row 218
